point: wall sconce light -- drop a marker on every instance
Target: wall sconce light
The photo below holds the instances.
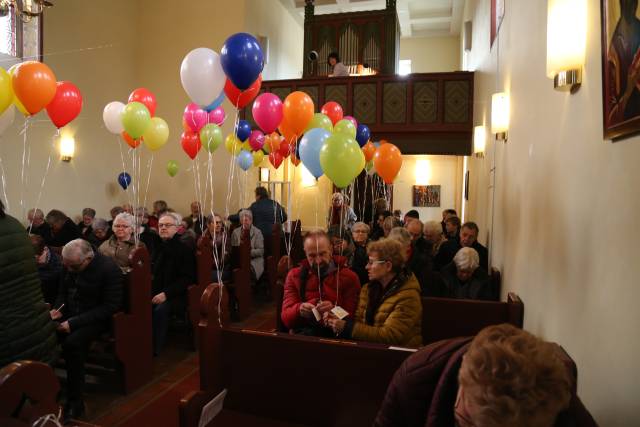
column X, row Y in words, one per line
column 264, row 174
column 67, row 148
column 422, row 172
column 566, row 43
column 479, row 141
column 500, row 115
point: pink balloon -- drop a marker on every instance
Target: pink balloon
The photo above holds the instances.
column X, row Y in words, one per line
column 352, row 120
column 267, row 112
column 256, row 140
column 217, row 116
column 195, row 117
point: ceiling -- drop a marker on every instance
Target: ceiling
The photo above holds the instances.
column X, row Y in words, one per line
column 418, row 18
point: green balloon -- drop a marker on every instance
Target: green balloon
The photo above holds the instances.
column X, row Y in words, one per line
column 135, row 119
column 172, row 168
column 211, row 137
column 346, row 127
column 321, row 121
column 341, row 159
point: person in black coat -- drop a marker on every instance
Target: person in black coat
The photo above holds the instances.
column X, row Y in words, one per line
column 37, row 225
column 90, row 293
column 360, row 258
column 49, row 268
column 63, row 230
column 464, row 279
column 173, row 267
column 266, row 212
column 84, row 226
column 468, row 239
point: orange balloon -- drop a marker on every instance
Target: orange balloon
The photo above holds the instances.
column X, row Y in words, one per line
column 287, row 133
column 34, row 84
column 297, row 112
column 387, row 160
column 272, row 142
column 133, row 143
column 369, row 150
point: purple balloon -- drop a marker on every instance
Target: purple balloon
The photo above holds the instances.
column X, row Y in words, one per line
column 217, row 116
column 267, row 112
column 256, row 140
column 195, row 117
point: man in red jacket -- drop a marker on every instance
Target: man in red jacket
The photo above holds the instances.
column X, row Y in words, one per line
column 321, row 284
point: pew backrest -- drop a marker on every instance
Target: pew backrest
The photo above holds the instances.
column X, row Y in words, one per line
column 204, row 260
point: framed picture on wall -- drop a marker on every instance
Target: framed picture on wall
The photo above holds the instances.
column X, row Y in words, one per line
column 426, row 196
column 497, row 15
column 620, row 69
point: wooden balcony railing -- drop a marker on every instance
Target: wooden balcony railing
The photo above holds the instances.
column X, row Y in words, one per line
column 429, row 113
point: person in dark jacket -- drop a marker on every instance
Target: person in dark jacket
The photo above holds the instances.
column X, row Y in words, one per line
column 446, row 214
column 90, row 293
column 99, row 232
column 174, row 269
column 49, row 268
column 266, row 212
column 503, row 377
column 27, row 331
column 37, row 225
column 420, row 261
column 465, row 280
column 468, row 238
column 63, row 230
column 84, row 226
column 359, row 259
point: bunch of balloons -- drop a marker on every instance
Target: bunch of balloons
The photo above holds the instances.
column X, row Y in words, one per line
column 31, row 87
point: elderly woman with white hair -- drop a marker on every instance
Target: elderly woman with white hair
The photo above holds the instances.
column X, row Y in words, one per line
column 463, row 279
column 341, row 213
column 256, row 239
column 121, row 243
column 434, row 235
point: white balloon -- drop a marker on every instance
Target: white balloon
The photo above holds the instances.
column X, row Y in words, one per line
column 202, row 75
column 112, row 117
column 6, row 118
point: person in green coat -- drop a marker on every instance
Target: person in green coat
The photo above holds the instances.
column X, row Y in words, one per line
column 26, row 329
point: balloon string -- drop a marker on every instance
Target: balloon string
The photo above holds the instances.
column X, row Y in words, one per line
column 44, row 178
column 24, row 157
column 4, row 185
column 124, row 169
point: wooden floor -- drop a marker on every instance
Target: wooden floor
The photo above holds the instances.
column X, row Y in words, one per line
column 175, row 373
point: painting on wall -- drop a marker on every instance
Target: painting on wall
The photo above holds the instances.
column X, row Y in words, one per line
column 426, row 196
column 497, row 14
column 620, row 68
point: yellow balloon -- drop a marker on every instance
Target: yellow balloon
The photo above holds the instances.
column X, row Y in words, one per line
column 233, row 144
column 16, row 101
column 6, row 90
column 246, row 146
column 156, row 134
column 257, row 157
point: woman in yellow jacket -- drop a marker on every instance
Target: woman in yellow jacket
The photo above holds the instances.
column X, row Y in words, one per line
column 390, row 309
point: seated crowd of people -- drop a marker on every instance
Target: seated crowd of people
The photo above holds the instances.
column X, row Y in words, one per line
column 358, row 281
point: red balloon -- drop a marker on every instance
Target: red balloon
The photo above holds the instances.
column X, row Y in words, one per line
column 276, row 159
column 285, row 149
column 65, row 105
column 241, row 99
column 146, row 97
column 191, row 143
column 133, row 143
column 333, row 110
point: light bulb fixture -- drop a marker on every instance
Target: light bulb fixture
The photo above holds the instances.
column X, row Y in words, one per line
column 479, row 141
column 264, row 174
column 500, row 115
column 566, row 43
column 67, row 148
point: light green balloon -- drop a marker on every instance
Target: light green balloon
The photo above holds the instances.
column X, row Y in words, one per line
column 321, row 121
column 346, row 127
column 135, row 119
column 211, row 137
column 341, row 159
column 172, row 168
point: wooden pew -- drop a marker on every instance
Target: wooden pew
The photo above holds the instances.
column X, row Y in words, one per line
column 279, row 379
column 241, row 264
column 28, row 391
column 447, row 318
column 132, row 337
column 271, row 262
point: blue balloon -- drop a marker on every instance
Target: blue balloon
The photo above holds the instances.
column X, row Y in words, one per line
column 362, row 135
column 310, row 146
column 243, row 131
column 242, row 59
column 124, row 179
column 244, row 160
column 216, row 103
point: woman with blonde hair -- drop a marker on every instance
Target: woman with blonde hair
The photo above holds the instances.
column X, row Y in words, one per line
column 390, row 309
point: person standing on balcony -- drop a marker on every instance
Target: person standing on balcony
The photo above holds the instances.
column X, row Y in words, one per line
column 338, row 68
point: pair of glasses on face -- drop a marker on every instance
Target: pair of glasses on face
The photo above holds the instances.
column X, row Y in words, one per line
column 166, row 225
column 375, row 261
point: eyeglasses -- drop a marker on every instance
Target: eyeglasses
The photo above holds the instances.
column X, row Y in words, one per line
column 360, row 231
column 121, row 226
column 161, row 225
column 375, row 261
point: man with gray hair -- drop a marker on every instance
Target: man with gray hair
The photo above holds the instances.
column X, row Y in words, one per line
column 90, row 293
column 99, row 233
column 63, row 229
column 256, row 239
column 463, row 279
